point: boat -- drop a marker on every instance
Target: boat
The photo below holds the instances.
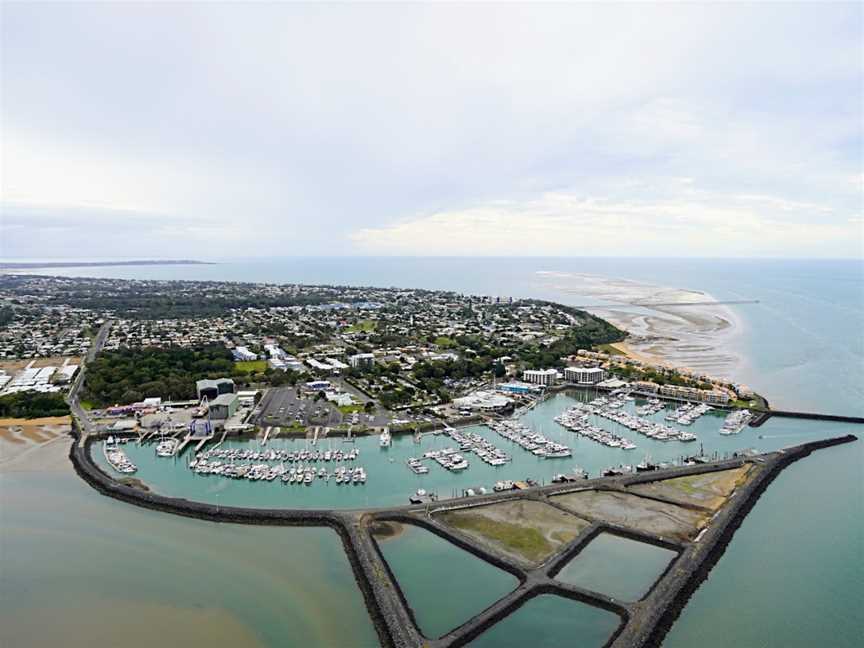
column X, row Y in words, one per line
column 385, row 439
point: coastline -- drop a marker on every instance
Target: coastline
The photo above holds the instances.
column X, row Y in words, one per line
column 697, row 334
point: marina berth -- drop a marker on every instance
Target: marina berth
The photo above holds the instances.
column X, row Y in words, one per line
column 576, row 419
column 116, row 457
column 736, row 421
column 528, row 440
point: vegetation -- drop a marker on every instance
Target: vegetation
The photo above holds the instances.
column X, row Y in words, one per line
column 611, row 350
column 522, row 540
column 250, row 366
column 6, row 316
column 660, row 376
column 363, row 326
column 30, row 404
column 129, row 375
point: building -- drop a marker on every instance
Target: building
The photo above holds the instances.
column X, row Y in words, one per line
column 224, row 406
column 336, row 364
column 341, row 399
column 362, row 361
column 518, row 388
column 65, row 373
column 212, row 389
column 585, row 375
column 712, row 396
column 646, row 386
column 318, row 365
column 318, row 385
column 242, row 354
column 544, row 377
column 482, row 401
column 247, row 398
column 716, row 397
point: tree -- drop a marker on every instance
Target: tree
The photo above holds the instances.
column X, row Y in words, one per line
column 369, row 407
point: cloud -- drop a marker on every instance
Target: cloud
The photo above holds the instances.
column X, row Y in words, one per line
column 565, row 224
column 329, row 129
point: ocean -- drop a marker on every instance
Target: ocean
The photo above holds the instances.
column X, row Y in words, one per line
column 793, row 576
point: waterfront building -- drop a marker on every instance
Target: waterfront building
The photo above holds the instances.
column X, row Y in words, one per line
column 214, row 388
column 224, row 406
column 646, row 386
column 362, row 361
column 482, row 401
column 584, row 375
column 544, row 377
column 518, row 388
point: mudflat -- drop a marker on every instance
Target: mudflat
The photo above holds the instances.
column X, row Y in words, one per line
column 639, row 513
column 525, row 530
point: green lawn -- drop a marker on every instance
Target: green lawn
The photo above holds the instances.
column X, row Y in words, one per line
column 444, row 341
column 363, row 326
column 608, row 348
column 86, row 405
column 350, row 409
column 251, row 366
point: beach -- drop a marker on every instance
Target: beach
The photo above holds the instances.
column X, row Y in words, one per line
column 695, row 334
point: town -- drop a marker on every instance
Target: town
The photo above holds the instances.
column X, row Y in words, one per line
column 297, row 357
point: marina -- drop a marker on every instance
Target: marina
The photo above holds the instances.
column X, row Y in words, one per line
column 445, row 464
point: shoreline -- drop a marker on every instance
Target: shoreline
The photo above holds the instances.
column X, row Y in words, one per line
column 697, row 335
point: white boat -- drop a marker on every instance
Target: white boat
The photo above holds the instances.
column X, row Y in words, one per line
column 385, row 439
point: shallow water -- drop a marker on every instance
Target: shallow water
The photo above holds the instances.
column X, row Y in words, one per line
column 618, row 567
column 80, row 569
column 802, row 348
column 550, row 620
column 443, row 584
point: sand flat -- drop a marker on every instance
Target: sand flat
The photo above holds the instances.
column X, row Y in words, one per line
column 692, row 335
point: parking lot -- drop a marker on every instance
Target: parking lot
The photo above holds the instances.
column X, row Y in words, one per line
column 283, row 407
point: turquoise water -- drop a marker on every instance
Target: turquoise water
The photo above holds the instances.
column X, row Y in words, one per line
column 804, row 349
column 549, row 620
column 618, row 567
column 444, row 585
column 77, row 565
column 390, row 482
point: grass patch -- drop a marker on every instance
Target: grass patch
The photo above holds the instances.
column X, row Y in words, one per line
column 445, row 342
column 86, row 405
column 251, row 366
column 524, row 541
column 350, row 409
column 608, row 348
column 363, row 326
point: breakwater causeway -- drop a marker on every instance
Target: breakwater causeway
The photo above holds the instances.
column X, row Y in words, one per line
column 643, row 623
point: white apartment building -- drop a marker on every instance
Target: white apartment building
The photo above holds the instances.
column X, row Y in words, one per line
column 584, row 375
column 540, row 376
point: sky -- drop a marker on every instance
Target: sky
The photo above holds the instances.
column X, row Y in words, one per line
column 216, row 130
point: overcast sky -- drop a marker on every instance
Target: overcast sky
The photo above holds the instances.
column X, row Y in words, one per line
column 199, row 131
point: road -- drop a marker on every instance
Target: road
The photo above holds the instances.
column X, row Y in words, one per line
column 79, row 412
